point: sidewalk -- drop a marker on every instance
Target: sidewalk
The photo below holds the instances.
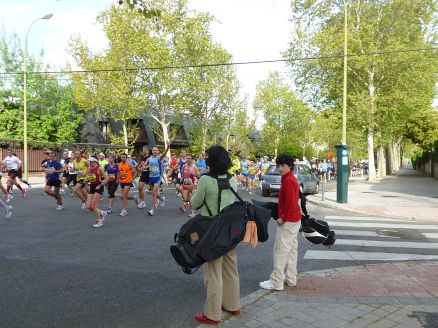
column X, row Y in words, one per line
column 404, row 195
column 373, row 295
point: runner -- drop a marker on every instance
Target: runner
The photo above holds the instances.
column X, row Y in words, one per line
column 13, row 164
column 200, row 164
column 264, row 166
column 173, row 173
column 65, row 162
column 80, row 168
column 189, row 172
column 54, row 168
column 112, row 172
column 126, row 177
column 97, row 179
column 155, row 172
column 102, row 161
column 144, row 178
column 20, row 175
column 2, row 188
column 181, row 162
column 244, row 173
column 252, row 173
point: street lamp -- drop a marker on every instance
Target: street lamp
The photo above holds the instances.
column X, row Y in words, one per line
column 342, row 150
column 48, row 16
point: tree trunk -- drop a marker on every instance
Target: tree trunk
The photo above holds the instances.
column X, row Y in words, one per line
column 166, row 138
column 371, row 166
column 125, row 135
column 370, row 138
column 391, row 158
column 381, row 163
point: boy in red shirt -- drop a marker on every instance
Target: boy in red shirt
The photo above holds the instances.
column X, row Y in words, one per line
column 289, row 222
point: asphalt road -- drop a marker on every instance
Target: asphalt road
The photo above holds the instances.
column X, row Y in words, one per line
column 57, row 271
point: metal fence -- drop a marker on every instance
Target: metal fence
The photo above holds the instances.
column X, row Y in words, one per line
column 34, row 157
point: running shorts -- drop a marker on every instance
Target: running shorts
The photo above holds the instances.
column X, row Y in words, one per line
column 53, row 183
column 93, row 189
column 12, row 174
column 144, row 177
column 20, row 173
column 154, row 180
column 251, row 176
column 112, row 187
column 123, row 185
column 70, row 178
column 65, row 175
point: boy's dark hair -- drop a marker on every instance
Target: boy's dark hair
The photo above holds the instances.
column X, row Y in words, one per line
column 285, row 158
column 218, row 160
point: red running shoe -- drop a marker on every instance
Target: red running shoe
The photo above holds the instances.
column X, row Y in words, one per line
column 200, row 317
column 235, row 312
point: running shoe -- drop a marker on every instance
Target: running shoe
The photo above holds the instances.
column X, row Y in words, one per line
column 183, row 209
column 11, row 191
column 62, row 191
column 109, row 210
column 148, row 191
column 102, row 215
column 163, row 201
column 136, row 199
column 72, row 193
column 151, row 212
column 250, row 193
column 24, row 193
column 123, row 213
column 60, row 207
column 141, row 205
column 84, row 206
column 29, row 187
column 98, row 224
column 192, row 213
column 8, row 211
column 9, row 198
column 178, row 194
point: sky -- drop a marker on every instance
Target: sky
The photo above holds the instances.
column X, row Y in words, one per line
column 251, row 30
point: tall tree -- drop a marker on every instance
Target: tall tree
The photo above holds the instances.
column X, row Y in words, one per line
column 384, row 88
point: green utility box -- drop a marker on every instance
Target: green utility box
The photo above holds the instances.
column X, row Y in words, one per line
column 343, row 173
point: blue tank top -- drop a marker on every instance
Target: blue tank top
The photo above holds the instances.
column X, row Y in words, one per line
column 154, row 167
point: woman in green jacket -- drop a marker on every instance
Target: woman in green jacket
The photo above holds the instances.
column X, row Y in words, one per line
column 221, row 278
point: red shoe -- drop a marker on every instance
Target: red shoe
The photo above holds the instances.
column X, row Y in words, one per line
column 235, row 312
column 200, row 317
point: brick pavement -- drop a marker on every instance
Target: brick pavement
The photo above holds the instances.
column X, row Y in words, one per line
column 374, row 295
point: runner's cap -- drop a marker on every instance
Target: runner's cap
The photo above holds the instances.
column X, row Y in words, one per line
column 92, row 159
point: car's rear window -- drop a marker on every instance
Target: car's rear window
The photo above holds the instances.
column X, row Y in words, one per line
column 272, row 170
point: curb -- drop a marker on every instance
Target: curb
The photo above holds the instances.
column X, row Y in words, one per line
column 344, row 208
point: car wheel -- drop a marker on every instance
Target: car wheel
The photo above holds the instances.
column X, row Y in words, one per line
column 265, row 193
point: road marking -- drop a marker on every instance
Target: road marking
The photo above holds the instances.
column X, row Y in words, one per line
column 383, row 225
column 380, row 243
column 365, row 256
column 430, row 235
column 361, row 233
column 360, row 218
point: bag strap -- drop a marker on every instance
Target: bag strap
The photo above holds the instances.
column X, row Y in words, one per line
column 303, row 203
column 222, row 184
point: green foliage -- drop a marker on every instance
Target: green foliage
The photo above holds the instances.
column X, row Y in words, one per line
column 52, row 112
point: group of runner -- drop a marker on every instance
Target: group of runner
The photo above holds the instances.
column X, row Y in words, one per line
column 88, row 177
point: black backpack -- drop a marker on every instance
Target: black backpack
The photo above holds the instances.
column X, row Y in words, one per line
column 203, row 239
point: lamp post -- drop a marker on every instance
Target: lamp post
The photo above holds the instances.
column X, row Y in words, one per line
column 48, row 16
column 342, row 150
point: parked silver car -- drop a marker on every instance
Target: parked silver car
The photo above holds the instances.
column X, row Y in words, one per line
column 307, row 180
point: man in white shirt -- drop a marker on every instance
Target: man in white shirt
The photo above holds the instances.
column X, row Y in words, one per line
column 13, row 164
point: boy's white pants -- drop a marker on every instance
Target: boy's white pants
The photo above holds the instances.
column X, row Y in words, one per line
column 285, row 254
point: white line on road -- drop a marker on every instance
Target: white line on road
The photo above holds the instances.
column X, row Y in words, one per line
column 365, row 256
column 361, row 233
column 430, row 235
column 383, row 225
column 380, row 243
column 360, row 218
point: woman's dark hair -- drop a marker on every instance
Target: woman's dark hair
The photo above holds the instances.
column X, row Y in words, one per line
column 285, row 158
column 218, row 160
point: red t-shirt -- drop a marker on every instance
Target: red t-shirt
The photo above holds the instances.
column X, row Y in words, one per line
column 288, row 208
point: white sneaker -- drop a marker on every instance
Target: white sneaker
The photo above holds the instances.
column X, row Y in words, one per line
column 98, row 224
column 8, row 211
column 141, row 205
column 84, row 206
column 9, row 198
column 60, row 207
column 148, row 191
column 136, row 200
column 192, row 213
column 163, row 201
column 268, row 285
column 62, row 191
column 151, row 212
column 290, row 283
column 123, row 213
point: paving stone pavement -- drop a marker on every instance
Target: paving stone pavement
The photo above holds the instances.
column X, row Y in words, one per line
column 374, row 295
